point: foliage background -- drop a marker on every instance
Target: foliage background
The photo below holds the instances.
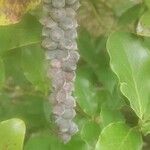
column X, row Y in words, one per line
column 100, row 102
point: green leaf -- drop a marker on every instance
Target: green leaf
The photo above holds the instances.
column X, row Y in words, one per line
column 118, row 136
column 2, row 73
column 50, row 142
column 130, row 16
column 42, row 143
column 75, row 144
column 147, row 2
column 130, row 60
column 93, row 52
column 12, row 59
column 114, row 100
column 12, row 134
column 109, row 115
column 33, row 62
column 28, row 107
column 90, row 133
column 86, row 93
column 27, row 32
column 28, row 57
column 143, row 27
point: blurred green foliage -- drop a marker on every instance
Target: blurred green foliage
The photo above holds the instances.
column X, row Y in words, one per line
column 111, row 88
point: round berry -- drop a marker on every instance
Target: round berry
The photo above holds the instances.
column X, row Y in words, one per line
column 76, row 5
column 68, row 44
column 49, row 44
column 58, row 3
column 68, row 23
column 70, row 12
column 56, row 34
column 49, row 23
column 69, row 114
column 71, row 34
column 56, row 54
column 58, row 14
column 73, row 128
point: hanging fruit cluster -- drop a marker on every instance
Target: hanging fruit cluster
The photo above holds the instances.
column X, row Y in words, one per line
column 59, row 39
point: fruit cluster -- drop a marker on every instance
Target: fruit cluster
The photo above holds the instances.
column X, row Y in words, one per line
column 59, row 40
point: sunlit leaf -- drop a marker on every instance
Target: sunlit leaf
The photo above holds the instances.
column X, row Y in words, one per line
column 12, row 134
column 118, row 136
column 130, row 60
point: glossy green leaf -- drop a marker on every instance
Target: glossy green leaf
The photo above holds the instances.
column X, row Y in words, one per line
column 28, row 57
column 118, row 136
column 109, row 115
column 27, row 32
column 2, row 73
column 114, row 101
column 75, row 144
column 93, row 51
column 90, row 133
column 12, row 134
column 143, row 27
column 33, row 64
column 130, row 60
column 110, row 108
column 85, row 92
